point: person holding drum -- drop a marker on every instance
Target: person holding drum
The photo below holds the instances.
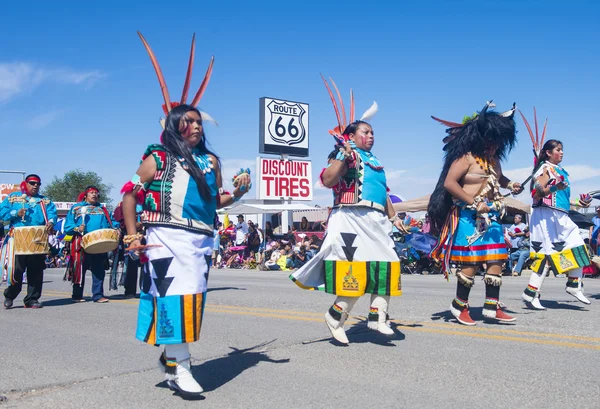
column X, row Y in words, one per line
column 180, row 185
column 32, row 217
column 94, row 235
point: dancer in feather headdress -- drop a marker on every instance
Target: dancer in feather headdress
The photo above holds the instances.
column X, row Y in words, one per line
column 466, row 206
column 555, row 240
column 180, row 185
column 357, row 255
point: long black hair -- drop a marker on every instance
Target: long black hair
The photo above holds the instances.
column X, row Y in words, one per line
column 476, row 137
column 176, row 145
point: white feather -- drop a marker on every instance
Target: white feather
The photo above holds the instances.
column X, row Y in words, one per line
column 162, row 122
column 370, row 113
column 206, row 117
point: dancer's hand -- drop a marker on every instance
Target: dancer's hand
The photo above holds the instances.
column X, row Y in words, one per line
column 347, row 149
column 483, row 208
column 243, row 183
column 561, row 185
column 516, row 188
column 134, row 244
column 21, row 212
column 49, row 227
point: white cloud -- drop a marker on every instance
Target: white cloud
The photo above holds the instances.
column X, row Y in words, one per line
column 42, row 120
column 582, row 172
column 20, row 77
column 518, row 175
column 576, row 173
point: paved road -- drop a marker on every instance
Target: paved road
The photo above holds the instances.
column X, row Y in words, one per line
column 264, row 345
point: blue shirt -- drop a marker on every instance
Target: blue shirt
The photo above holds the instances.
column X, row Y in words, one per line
column 34, row 215
column 374, row 187
column 95, row 218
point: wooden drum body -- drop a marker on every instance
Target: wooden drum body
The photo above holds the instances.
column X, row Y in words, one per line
column 30, row 240
column 100, row 241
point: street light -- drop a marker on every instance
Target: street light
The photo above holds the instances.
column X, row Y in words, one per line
column 15, row 171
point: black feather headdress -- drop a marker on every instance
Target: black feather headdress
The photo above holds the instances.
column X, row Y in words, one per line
column 475, row 136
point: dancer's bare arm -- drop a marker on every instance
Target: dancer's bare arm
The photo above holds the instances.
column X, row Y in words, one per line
column 457, row 171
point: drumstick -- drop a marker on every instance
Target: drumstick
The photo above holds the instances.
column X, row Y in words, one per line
column 24, row 203
column 143, row 247
column 83, row 211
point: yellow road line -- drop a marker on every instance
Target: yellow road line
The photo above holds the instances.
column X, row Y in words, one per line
column 452, row 329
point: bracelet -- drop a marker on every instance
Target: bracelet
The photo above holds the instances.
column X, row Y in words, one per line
column 130, row 238
column 342, row 155
column 476, row 201
column 393, row 219
column 510, row 185
column 236, row 198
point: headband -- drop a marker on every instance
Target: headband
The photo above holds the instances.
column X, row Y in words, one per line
column 86, row 191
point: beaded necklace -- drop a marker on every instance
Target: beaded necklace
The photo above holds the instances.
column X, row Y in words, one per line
column 371, row 161
column 204, row 162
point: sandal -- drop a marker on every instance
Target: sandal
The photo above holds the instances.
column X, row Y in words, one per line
column 102, row 300
column 78, row 300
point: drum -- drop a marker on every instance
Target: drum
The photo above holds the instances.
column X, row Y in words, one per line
column 100, row 241
column 30, row 240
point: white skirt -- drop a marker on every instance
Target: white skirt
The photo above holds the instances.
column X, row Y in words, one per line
column 555, row 239
column 357, row 256
column 174, row 286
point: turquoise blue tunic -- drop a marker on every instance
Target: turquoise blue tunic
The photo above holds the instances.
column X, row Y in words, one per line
column 33, row 217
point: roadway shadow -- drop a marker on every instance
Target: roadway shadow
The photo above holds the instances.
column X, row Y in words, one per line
column 58, row 302
column 476, row 314
column 225, row 289
column 555, row 305
column 359, row 333
column 217, row 372
column 595, row 296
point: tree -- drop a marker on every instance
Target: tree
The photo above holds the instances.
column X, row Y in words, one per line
column 67, row 188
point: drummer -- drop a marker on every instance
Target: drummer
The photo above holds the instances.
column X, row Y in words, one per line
column 95, row 217
column 21, row 209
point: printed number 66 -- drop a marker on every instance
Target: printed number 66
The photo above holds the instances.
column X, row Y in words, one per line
column 292, row 129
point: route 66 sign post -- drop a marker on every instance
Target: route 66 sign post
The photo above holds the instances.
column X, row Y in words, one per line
column 283, row 127
column 283, row 131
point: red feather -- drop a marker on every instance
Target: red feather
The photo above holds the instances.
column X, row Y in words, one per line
column 188, row 76
column 449, row 124
column 537, row 135
column 335, row 107
column 529, row 130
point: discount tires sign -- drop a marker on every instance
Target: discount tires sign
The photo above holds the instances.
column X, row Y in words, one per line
column 284, row 179
column 283, row 127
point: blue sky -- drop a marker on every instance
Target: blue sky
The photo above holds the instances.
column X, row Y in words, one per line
column 77, row 89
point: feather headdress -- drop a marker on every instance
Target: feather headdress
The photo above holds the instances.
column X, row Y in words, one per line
column 536, row 141
column 168, row 105
column 474, row 136
column 453, row 125
column 342, row 120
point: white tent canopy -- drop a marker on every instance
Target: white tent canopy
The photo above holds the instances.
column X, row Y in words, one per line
column 257, row 208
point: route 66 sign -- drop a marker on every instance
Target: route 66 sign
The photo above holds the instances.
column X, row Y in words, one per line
column 283, row 127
